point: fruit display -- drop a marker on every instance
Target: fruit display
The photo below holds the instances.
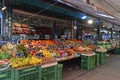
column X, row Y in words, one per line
column 20, row 28
column 79, row 48
column 4, row 55
column 101, row 49
column 88, row 53
column 9, row 49
column 105, row 44
column 35, row 52
column 25, row 61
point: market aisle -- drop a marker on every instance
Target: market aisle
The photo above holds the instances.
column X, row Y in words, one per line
column 108, row 71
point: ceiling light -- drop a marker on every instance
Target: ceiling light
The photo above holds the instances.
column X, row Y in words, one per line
column 104, row 15
column 90, row 21
column 114, row 32
column 95, row 29
column 84, row 17
column 103, row 26
column 3, row 8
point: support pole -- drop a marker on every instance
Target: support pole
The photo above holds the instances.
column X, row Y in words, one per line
column 10, row 22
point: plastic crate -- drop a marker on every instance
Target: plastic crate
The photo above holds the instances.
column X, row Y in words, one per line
column 59, row 71
column 88, row 62
column 49, row 73
column 102, row 57
column 30, row 73
column 49, row 76
column 48, row 69
column 7, row 74
column 97, row 59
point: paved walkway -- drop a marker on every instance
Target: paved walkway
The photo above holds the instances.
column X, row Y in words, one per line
column 108, row 71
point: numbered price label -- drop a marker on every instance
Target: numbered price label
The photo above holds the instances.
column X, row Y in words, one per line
column 47, row 36
column 63, row 36
column 23, row 36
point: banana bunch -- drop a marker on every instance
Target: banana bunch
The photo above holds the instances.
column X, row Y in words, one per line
column 25, row 61
column 35, row 61
column 16, row 62
column 46, row 53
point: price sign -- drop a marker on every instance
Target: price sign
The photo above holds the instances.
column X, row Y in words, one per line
column 37, row 36
column 47, row 36
column 63, row 36
column 56, row 37
column 23, row 36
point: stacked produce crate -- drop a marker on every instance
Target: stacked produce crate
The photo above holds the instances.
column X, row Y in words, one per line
column 30, row 73
column 49, row 73
column 88, row 62
column 59, row 71
column 43, row 72
column 7, row 74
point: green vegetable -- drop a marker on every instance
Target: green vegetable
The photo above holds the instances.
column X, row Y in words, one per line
column 4, row 55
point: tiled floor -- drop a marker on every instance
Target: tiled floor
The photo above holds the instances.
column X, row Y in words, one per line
column 108, row 71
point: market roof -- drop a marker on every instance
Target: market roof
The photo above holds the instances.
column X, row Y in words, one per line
column 59, row 8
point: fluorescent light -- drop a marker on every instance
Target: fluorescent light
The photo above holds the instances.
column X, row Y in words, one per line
column 114, row 32
column 3, row 8
column 84, row 17
column 90, row 21
column 106, row 16
column 95, row 29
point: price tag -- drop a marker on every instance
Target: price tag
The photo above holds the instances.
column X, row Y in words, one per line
column 75, row 27
column 63, row 36
column 56, row 37
column 69, row 35
column 47, row 36
column 37, row 36
column 23, row 36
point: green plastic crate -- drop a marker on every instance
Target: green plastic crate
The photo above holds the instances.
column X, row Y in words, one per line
column 7, row 74
column 30, row 73
column 88, row 62
column 117, row 51
column 49, row 73
column 49, row 76
column 59, row 71
column 48, row 69
column 97, row 59
column 102, row 57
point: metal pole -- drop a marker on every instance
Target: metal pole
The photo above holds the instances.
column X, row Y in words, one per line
column 10, row 22
column 3, row 24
